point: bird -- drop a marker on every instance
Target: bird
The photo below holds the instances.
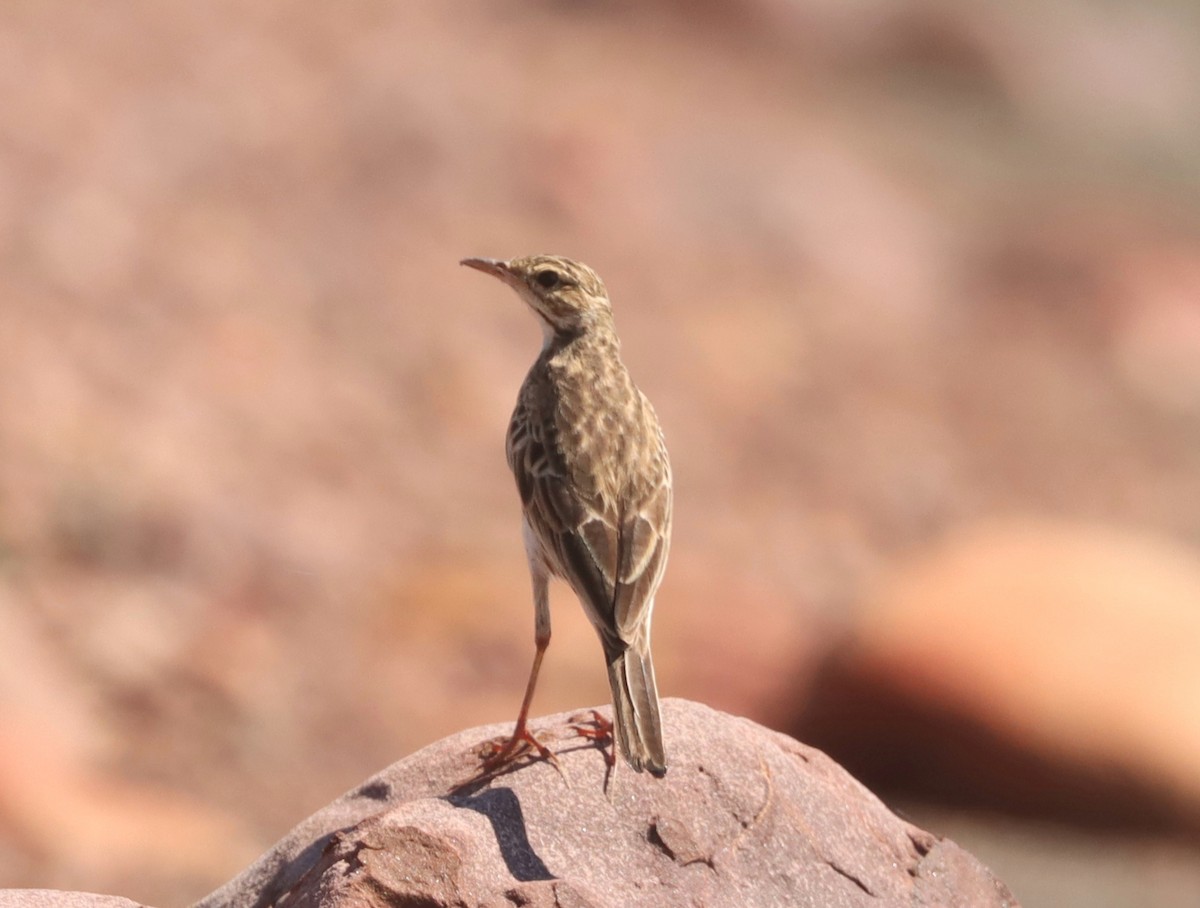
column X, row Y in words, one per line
column 591, row 467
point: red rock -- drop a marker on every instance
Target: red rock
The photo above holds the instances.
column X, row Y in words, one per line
column 744, row 816
column 52, row 898
column 1043, row 666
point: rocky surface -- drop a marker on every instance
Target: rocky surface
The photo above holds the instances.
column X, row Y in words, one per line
column 745, row 816
column 53, row 898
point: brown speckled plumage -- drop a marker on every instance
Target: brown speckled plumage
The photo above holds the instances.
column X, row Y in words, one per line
column 591, row 467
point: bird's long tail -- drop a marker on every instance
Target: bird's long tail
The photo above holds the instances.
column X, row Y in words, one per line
column 635, row 707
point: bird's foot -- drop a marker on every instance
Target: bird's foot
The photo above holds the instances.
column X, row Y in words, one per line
column 599, row 730
column 504, row 754
column 596, row 728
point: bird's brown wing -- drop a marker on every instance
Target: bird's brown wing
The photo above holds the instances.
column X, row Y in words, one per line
column 556, row 512
column 615, row 565
column 612, row 552
column 643, row 543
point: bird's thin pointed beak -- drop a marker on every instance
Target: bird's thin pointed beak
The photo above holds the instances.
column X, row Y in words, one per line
column 494, row 267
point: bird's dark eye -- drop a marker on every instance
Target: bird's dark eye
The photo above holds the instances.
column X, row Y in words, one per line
column 546, row 279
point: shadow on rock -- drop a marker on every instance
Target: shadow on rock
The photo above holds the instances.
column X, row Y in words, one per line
column 503, row 811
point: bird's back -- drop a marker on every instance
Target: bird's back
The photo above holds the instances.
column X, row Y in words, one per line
column 588, row 455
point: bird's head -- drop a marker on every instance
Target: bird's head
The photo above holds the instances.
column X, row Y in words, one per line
column 568, row 297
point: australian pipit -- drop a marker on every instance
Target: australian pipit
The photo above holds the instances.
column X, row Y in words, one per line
column 591, row 467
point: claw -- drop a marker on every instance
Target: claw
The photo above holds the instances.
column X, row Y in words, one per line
column 518, row 745
column 497, row 757
column 600, row 731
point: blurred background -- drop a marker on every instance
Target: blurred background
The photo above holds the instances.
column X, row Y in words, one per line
column 914, row 286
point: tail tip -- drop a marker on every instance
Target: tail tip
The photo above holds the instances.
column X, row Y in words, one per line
column 656, row 768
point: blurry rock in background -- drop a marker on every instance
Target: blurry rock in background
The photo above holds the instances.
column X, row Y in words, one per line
column 890, row 271
column 1033, row 667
